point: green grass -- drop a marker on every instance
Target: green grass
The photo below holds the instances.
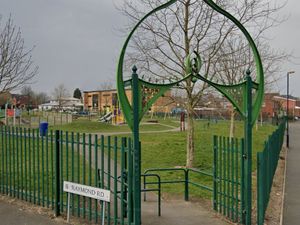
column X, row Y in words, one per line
column 28, row 171
column 86, row 126
column 168, row 150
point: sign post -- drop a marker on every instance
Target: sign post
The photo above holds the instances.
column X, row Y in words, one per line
column 87, row 191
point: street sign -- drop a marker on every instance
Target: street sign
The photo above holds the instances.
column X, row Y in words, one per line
column 87, row 191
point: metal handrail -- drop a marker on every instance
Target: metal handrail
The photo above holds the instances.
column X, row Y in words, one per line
column 186, row 180
column 158, row 189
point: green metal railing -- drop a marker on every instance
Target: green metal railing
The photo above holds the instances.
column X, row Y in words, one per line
column 186, row 178
column 267, row 161
column 33, row 169
column 158, row 189
column 228, row 194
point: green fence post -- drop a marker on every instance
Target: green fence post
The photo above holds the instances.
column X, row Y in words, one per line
column 186, row 184
column 38, row 167
column 260, row 187
column 243, row 189
column 83, row 173
column 90, row 174
column 22, row 162
column 108, row 175
column 57, row 173
column 136, row 146
column 123, row 193
column 9, row 160
column 47, row 169
column 248, row 152
column 96, row 182
column 129, row 183
column 215, row 169
column 115, row 162
column 2, row 160
column 12, row 151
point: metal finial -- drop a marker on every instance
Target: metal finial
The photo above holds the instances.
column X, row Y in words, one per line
column 248, row 72
column 134, row 69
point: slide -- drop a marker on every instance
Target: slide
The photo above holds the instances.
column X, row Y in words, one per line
column 107, row 117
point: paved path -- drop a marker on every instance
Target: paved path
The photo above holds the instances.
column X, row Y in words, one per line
column 179, row 212
column 174, row 212
column 291, row 214
column 172, row 129
column 12, row 213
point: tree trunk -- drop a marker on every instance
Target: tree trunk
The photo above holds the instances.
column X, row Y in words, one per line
column 256, row 125
column 232, row 124
column 190, row 148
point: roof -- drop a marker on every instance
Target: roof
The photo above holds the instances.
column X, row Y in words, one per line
column 65, row 102
column 100, row 90
column 290, row 97
column 50, row 104
column 284, row 98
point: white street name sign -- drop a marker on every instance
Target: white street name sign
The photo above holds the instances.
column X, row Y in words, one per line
column 87, row 191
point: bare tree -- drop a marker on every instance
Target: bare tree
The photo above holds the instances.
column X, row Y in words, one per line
column 235, row 54
column 107, row 85
column 16, row 65
column 4, row 98
column 59, row 94
column 161, row 44
column 41, row 98
column 29, row 93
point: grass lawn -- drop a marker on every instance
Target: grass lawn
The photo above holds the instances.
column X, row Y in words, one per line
column 168, row 150
column 86, row 126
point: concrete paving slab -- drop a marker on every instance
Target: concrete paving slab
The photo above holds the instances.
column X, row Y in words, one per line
column 14, row 214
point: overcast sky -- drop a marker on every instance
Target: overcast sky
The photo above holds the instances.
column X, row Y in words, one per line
column 78, row 42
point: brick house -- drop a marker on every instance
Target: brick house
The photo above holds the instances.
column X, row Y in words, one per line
column 106, row 100
column 275, row 104
column 269, row 106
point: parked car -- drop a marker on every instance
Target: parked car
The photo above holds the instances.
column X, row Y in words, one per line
column 83, row 113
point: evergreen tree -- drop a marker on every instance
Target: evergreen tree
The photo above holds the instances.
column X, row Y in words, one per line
column 77, row 93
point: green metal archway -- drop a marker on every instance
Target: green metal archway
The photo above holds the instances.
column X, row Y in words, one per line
column 248, row 103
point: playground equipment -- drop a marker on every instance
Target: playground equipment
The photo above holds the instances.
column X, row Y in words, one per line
column 107, row 117
column 10, row 115
column 118, row 117
column 115, row 117
column 246, row 97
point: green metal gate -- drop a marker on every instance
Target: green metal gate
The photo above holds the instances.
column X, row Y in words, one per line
column 34, row 167
column 228, row 194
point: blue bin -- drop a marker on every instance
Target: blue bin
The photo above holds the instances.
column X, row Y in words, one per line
column 43, row 128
